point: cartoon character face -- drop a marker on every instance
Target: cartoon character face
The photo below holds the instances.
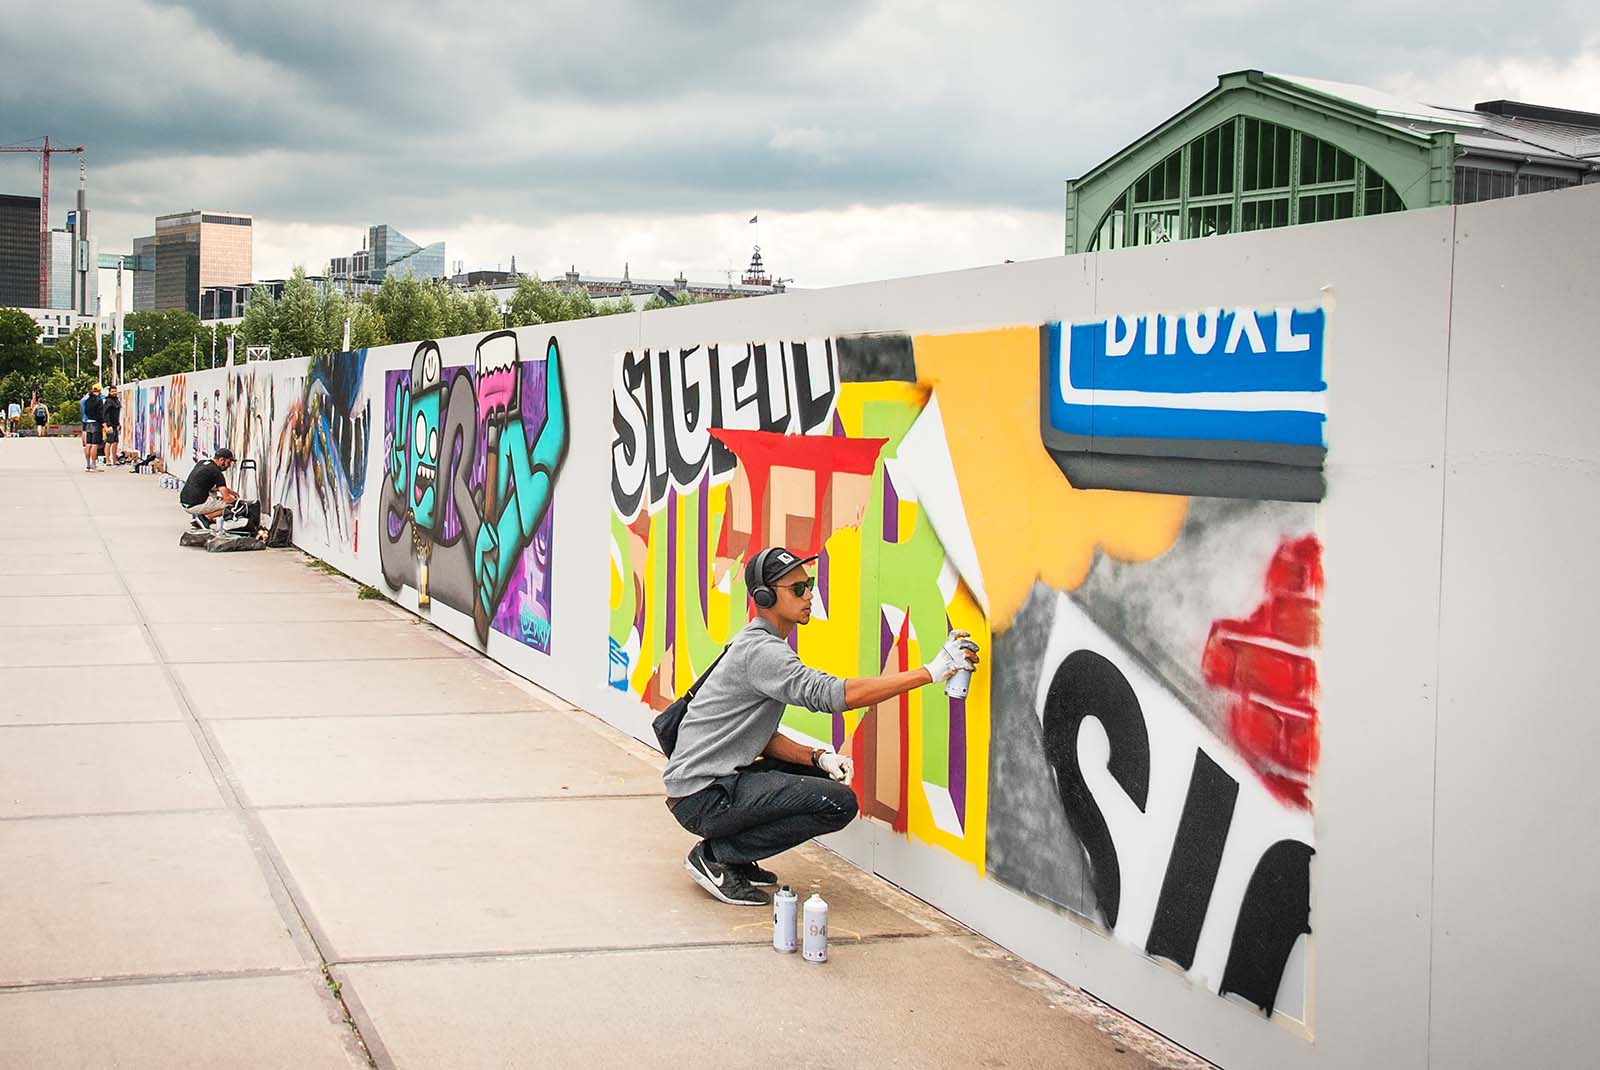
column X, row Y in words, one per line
column 423, row 422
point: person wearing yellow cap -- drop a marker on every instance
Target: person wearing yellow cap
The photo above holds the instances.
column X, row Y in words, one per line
column 93, row 411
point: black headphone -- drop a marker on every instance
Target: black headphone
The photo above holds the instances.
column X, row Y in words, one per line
column 762, row 593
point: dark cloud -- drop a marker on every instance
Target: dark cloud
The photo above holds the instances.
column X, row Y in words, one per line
column 361, row 110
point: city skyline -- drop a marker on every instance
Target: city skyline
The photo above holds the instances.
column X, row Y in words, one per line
column 870, row 141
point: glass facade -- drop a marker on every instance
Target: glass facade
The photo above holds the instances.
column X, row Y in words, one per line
column 1244, row 174
column 195, row 250
column 19, row 252
column 60, row 269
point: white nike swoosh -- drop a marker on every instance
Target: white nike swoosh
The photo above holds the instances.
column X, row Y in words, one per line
column 716, row 878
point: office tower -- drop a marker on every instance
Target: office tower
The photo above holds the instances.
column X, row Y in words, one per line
column 199, row 249
column 144, row 274
column 61, row 266
column 19, row 252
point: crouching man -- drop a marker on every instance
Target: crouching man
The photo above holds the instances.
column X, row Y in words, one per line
column 205, row 493
column 748, row 790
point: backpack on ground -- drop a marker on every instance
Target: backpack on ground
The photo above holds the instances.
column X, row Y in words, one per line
column 280, row 533
column 669, row 720
column 223, row 543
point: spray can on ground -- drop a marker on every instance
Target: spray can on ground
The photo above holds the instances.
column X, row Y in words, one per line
column 784, row 909
column 816, row 929
column 956, row 686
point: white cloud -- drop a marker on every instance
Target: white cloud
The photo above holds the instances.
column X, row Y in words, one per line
column 1571, row 82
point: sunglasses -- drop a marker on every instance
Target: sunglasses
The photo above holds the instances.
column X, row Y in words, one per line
column 802, row 587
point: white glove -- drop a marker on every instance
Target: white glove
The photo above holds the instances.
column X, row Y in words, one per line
column 837, row 766
column 951, row 656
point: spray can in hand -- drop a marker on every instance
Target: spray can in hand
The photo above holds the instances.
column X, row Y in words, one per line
column 956, row 686
column 784, row 908
column 815, row 948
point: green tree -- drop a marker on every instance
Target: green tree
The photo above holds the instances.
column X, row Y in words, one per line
column 155, row 331
column 299, row 320
column 258, row 325
column 577, row 305
column 615, row 308
column 19, row 342
column 535, row 302
column 366, row 325
column 61, row 394
column 410, row 310
column 485, row 311
column 179, row 356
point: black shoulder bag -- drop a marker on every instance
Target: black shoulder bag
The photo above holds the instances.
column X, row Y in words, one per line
column 668, row 720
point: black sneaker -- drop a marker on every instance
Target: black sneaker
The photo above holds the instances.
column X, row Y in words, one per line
column 753, row 874
column 721, row 881
column 196, row 524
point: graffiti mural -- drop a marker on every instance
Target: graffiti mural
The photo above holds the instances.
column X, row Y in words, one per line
column 471, row 458
column 251, row 416
column 1155, row 716
column 177, row 420
column 1141, row 752
column 320, row 450
column 825, row 446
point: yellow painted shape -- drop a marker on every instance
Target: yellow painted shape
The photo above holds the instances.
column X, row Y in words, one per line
column 1027, row 521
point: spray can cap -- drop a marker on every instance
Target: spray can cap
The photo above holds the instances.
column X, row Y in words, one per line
column 785, row 890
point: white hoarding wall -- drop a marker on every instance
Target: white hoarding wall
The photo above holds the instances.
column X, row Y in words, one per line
column 1190, row 501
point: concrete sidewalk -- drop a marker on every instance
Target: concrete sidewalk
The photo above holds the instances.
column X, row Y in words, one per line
column 248, row 819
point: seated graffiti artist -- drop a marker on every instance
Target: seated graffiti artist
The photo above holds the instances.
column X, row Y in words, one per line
column 205, row 493
column 734, row 779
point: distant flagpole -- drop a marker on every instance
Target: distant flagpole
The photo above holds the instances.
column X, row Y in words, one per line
column 755, row 221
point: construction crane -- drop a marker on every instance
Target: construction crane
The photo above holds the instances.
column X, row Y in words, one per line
column 45, row 151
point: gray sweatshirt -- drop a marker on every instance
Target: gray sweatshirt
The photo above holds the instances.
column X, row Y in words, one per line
column 736, row 711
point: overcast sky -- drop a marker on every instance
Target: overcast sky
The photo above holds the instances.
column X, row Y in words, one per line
column 872, row 139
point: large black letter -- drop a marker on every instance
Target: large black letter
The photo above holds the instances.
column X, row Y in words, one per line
column 1275, row 911
column 1088, row 685
column 1192, row 866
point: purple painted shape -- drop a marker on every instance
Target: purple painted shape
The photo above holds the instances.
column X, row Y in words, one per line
column 958, row 758
column 705, row 547
column 885, row 640
column 838, row 732
column 524, row 612
column 891, row 509
column 838, row 426
column 822, row 578
column 671, row 515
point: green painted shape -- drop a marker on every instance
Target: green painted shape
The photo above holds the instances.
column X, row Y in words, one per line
column 622, row 613
column 902, row 575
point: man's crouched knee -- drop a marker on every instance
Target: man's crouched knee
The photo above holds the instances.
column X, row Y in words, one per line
column 843, row 806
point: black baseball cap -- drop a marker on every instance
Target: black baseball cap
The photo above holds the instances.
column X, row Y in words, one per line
column 224, row 454
column 770, row 565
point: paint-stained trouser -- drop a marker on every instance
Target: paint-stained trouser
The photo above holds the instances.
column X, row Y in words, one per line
column 764, row 809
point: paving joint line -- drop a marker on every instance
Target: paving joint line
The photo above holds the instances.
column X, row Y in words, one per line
column 131, row 980
column 303, row 929
column 596, row 950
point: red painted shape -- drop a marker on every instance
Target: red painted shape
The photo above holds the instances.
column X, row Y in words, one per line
column 760, row 451
column 1267, row 662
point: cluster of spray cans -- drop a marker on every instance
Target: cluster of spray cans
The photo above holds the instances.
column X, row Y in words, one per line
column 811, row 922
column 170, row 482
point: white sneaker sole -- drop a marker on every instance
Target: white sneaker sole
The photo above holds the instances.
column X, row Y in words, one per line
column 711, row 886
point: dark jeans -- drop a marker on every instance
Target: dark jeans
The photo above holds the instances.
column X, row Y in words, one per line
column 764, row 809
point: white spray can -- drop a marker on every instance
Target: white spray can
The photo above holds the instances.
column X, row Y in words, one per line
column 956, row 686
column 816, row 929
column 784, row 909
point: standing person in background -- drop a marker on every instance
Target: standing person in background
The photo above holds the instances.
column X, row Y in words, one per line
column 41, row 416
column 112, row 409
column 13, row 418
column 93, row 411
